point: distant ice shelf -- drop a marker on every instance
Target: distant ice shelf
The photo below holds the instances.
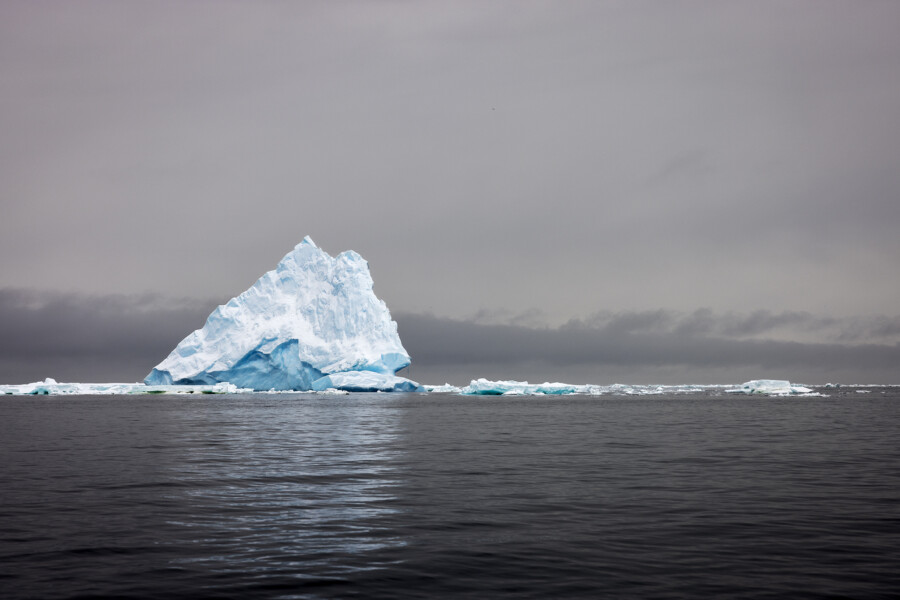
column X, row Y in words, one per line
column 368, row 381
column 50, row 387
column 486, row 387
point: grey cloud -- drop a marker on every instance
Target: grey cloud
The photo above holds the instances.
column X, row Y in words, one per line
column 699, row 322
column 870, row 328
column 436, row 340
column 759, row 323
column 885, row 327
column 636, row 344
column 90, row 337
column 121, row 337
column 626, row 322
column 533, row 317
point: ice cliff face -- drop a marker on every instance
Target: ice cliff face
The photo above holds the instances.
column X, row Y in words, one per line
column 311, row 317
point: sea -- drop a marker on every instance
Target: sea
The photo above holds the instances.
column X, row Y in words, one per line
column 701, row 495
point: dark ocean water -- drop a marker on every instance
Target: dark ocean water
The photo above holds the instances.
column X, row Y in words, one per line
column 415, row 496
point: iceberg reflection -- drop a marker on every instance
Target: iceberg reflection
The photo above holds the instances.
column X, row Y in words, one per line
column 290, row 489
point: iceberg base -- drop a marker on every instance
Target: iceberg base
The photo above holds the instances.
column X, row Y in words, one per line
column 366, row 381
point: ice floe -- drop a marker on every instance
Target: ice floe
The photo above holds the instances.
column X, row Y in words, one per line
column 770, row 387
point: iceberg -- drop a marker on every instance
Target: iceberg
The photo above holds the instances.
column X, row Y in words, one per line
column 306, row 325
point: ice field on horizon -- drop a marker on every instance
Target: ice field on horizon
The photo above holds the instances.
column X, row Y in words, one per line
column 51, row 387
column 486, row 387
column 362, row 381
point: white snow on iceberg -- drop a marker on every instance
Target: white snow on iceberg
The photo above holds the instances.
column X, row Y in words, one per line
column 312, row 316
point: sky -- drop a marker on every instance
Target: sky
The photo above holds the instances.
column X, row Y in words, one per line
column 582, row 191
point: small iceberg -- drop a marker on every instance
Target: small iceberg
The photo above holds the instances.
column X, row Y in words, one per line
column 442, row 389
column 486, row 387
column 770, row 387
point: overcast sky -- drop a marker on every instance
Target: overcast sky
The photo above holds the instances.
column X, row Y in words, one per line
column 642, row 190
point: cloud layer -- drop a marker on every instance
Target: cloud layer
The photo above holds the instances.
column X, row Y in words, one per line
column 120, row 337
column 646, row 347
column 80, row 337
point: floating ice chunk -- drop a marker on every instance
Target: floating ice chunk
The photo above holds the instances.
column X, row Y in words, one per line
column 442, row 389
column 485, row 387
column 366, row 381
column 771, row 387
column 557, row 388
column 312, row 316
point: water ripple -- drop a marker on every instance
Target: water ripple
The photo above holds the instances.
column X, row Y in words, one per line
column 408, row 496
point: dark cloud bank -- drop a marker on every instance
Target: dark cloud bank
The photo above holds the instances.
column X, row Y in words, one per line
column 77, row 337
column 655, row 347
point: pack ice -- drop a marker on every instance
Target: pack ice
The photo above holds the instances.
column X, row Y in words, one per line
column 312, row 323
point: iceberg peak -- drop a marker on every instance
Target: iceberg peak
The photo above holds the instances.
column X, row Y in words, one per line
column 306, row 241
column 312, row 316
